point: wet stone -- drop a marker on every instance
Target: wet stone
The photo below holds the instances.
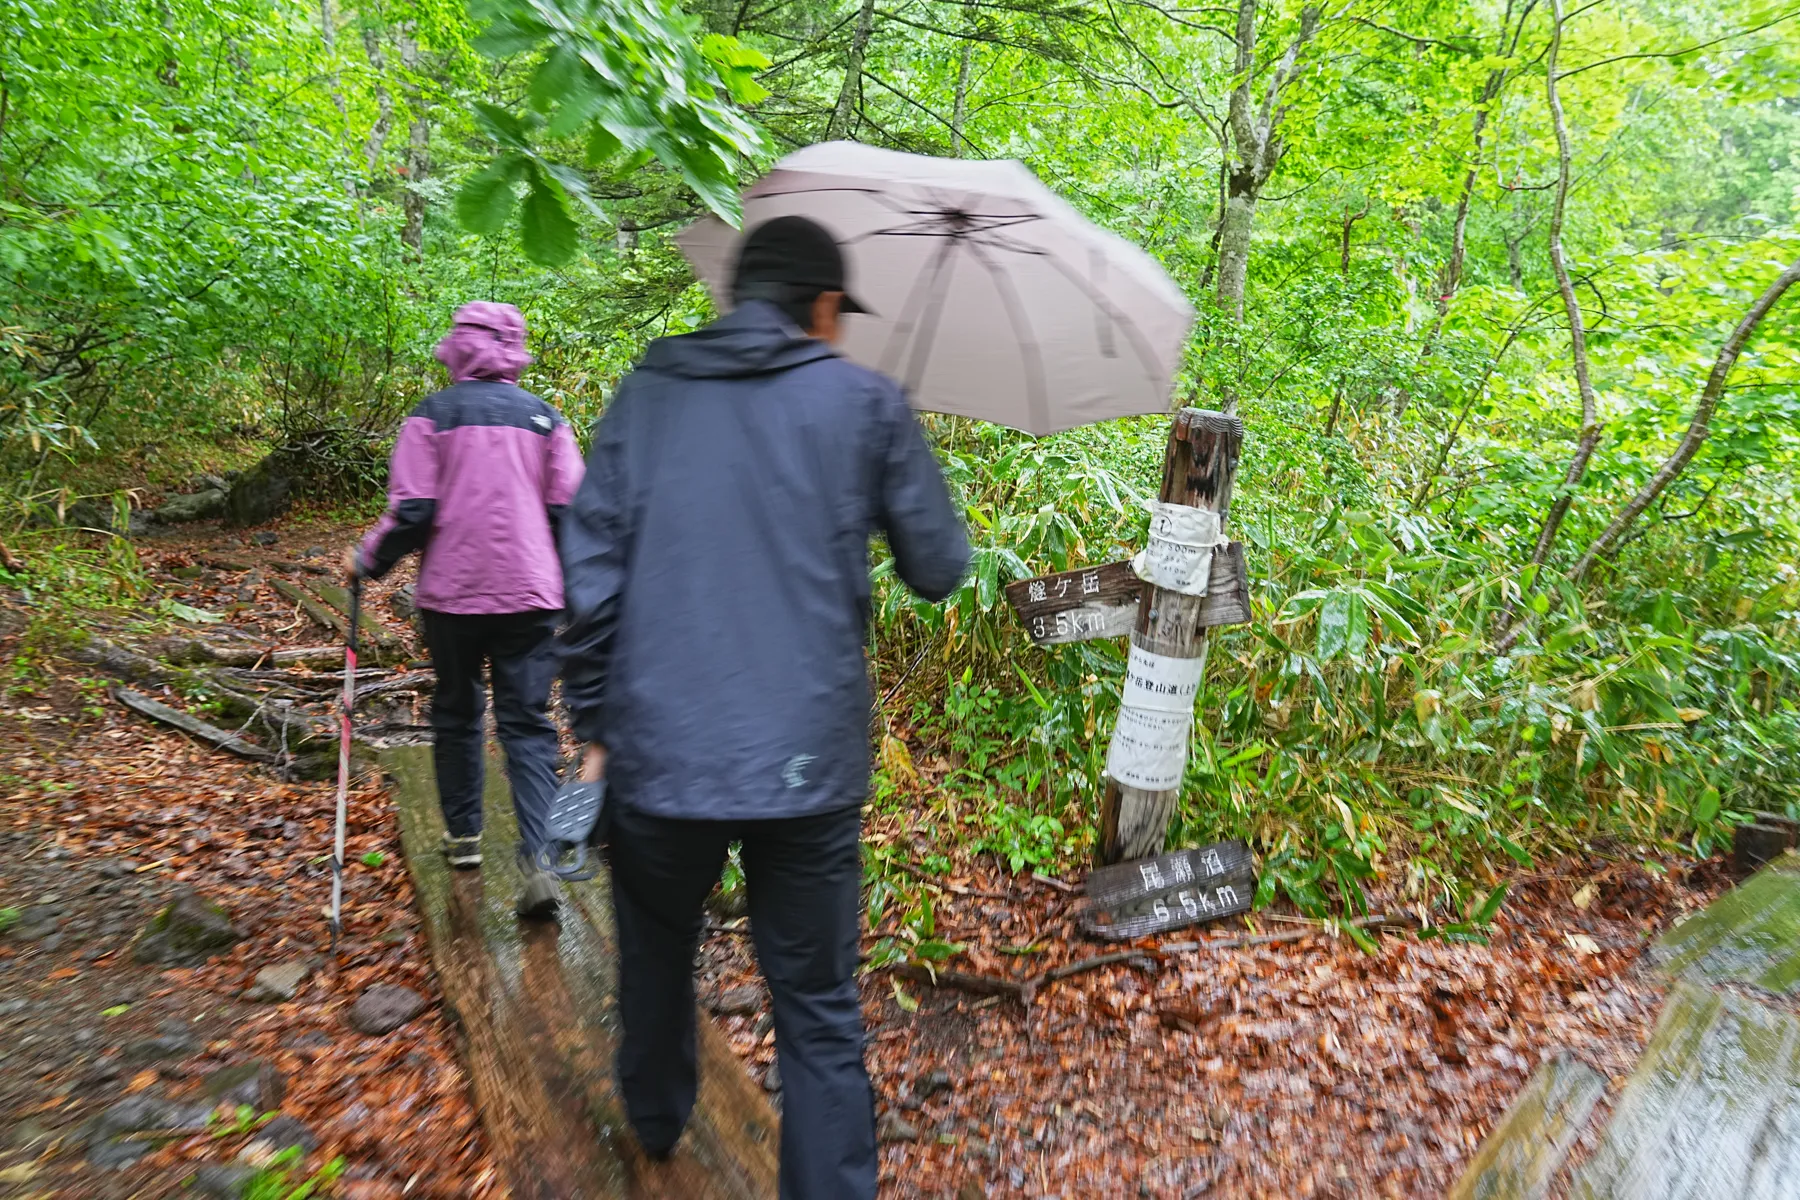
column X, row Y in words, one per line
column 256, row 1084
column 933, row 1082
column 189, row 931
column 115, row 1153
column 738, row 1001
column 224, row 1181
column 894, row 1128
column 384, row 1008
column 283, row 1133
column 278, row 983
column 772, row 1078
column 174, row 1040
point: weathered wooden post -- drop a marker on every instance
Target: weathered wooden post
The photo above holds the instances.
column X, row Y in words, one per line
column 1148, row 755
column 1188, row 580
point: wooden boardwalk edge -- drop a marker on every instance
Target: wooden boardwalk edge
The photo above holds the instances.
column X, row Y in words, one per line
column 535, row 1011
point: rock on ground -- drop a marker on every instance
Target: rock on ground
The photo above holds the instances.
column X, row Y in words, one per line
column 195, row 506
column 188, row 932
column 384, row 1008
column 260, row 494
column 278, row 983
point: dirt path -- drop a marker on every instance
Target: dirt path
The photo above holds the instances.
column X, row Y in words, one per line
column 106, row 1062
column 1303, row 1069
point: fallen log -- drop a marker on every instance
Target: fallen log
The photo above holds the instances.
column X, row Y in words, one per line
column 385, row 643
column 535, row 1010
column 312, row 606
column 192, row 725
column 198, row 650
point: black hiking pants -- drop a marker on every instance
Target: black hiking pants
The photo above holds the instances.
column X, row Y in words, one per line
column 519, row 651
column 804, row 876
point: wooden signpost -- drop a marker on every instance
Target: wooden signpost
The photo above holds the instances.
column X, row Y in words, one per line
column 1187, row 580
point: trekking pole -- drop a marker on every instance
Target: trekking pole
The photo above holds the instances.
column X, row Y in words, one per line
column 343, row 791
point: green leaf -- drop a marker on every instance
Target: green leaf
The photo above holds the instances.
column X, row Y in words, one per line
column 115, row 1010
column 545, row 226
column 1706, row 808
column 504, row 127
column 554, row 78
column 904, row 998
column 602, row 145
column 1491, row 906
column 1343, row 626
column 373, row 858
column 486, row 201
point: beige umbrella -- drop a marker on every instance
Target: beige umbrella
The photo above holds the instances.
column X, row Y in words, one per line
column 991, row 297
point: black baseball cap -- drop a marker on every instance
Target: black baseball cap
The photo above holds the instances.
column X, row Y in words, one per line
column 797, row 252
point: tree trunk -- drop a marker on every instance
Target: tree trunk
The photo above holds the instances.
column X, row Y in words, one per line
column 418, row 145
column 959, row 111
column 839, row 126
column 1234, row 243
column 1699, row 425
column 1590, row 418
column 1254, row 124
column 376, row 146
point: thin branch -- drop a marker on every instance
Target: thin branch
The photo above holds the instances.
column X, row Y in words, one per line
column 1699, row 425
column 1770, row 24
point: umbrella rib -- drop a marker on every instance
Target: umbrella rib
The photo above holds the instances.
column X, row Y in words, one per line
column 934, row 313
column 896, row 344
column 1133, row 334
column 1033, row 357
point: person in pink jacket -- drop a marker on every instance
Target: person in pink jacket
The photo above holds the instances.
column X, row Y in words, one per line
column 480, row 477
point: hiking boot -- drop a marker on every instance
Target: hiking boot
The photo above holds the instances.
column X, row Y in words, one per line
column 540, row 895
column 463, row 853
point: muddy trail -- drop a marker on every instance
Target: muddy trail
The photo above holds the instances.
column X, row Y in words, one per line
column 1269, row 1058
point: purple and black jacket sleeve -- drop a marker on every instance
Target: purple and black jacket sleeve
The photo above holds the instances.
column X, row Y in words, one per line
column 561, row 480
column 412, row 499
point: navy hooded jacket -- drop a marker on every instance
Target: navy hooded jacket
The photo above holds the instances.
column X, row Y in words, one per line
column 716, row 569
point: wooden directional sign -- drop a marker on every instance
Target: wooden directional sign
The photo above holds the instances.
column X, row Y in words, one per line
column 1183, row 887
column 1102, row 602
column 1075, row 606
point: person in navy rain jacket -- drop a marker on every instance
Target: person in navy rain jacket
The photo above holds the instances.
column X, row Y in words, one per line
column 716, row 561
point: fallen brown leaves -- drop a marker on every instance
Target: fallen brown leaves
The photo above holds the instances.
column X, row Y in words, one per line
column 1182, row 1068
column 87, row 784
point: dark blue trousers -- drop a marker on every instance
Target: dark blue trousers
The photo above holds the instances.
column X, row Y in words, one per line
column 519, row 652
column 804, row 876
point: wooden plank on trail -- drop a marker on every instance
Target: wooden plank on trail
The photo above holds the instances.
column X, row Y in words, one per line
column 1520, row 1158
column 1102, row 602
column 535, row 1007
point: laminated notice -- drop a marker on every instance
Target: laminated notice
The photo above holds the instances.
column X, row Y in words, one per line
column 1179, row 554
column 1149, row 748
column 1161, row 682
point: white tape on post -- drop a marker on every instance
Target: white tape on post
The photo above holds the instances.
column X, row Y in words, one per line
column 1161, row 681
column 1149, row 749
column 1179, row 554
column 1156, row 717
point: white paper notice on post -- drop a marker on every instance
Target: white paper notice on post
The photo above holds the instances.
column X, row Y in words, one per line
column 1161, row 682
column 1178, row 557
column 1149, row 748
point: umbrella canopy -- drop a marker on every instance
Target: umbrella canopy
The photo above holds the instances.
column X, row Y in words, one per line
column 991, row 297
